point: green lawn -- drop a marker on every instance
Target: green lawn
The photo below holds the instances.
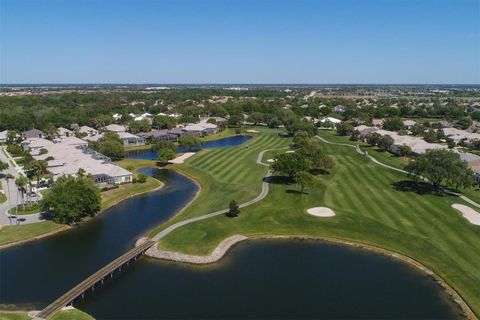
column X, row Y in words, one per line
column 73, row 314
column 9, row 234
column 28, row 209
column 374, row 205
column 227, row 174
column 3, row 197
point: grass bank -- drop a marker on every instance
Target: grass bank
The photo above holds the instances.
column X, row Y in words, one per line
column 16, row 234
column 374, row 206
column 125, row 191
column 73, row 314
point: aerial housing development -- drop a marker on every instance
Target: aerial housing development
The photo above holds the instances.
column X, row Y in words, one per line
column 238, row 159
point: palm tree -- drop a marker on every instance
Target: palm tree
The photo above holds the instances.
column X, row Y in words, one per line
column 21, row 184
column 8, row 177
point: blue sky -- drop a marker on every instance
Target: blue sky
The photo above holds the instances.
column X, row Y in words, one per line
column 240, row 41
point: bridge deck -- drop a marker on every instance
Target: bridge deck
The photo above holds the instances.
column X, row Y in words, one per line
column 89, row 282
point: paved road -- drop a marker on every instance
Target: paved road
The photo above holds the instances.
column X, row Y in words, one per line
column 357, row 148
column 258, row 198
column 12, row 195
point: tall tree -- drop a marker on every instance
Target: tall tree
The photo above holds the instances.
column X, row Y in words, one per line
column 439, row 167
column 189, row 141
column 303, row 179
column 72, row 198
column 289, row 164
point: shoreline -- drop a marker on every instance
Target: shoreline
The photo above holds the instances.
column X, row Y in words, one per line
column 37, row 237
column 223, row 247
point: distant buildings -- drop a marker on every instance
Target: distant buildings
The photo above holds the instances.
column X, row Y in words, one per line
column 416, row 144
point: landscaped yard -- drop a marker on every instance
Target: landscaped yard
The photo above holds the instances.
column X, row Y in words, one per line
column 374, row 206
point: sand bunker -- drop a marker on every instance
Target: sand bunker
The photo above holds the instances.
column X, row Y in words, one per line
column 290, row 151
column 271, row 160
column 321, row 212
column 468, row 213
column 252, row 131
column 182, row 158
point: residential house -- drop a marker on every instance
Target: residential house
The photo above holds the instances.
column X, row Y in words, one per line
column 34, row 145
column 408, row 124
column 34, row 133
column 115, row 128
column 69, row 156
column 87, row 131
column 161, row 135
column 378, row 123
column 131, row 140
column 3, row 136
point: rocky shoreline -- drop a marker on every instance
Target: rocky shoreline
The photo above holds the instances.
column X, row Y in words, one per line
column 217, row 253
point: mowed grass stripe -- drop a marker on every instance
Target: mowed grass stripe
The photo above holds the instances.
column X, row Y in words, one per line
column 240, row 159
column 219, row 163
column 369, row 196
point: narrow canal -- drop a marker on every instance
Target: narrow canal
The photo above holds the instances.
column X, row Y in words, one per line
column 262, row 279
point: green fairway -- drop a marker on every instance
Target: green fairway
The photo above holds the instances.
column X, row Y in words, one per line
column 374, row 205
column 227, row 174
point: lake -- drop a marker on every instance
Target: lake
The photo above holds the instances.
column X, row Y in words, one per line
column 150, row 154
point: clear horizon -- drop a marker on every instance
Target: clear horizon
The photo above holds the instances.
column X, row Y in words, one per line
column 305, row 42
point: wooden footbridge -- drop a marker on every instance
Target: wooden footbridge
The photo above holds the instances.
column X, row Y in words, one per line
column 98, row 277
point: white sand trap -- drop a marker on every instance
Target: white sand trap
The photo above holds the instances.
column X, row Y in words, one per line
column 271, row 160
column 321, row 212
column 252, row 131
column 182, row 158
column 468, row 213
column 290, row 151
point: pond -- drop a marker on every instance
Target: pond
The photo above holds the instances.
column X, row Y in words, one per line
column 150, row 154
column 267, row 279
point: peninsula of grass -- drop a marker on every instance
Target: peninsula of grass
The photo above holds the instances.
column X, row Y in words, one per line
column 3, row 197
column 374, row 206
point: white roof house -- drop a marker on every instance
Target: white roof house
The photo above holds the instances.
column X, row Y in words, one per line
column 117, row 116
column 408, row 123
column 63, row 132
column 34, row 144
column 3, row 136
column 115, row 128
column 69, row 158
column 331, row 119
column 87, row 130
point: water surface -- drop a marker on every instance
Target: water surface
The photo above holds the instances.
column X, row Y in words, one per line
column 219, row 143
